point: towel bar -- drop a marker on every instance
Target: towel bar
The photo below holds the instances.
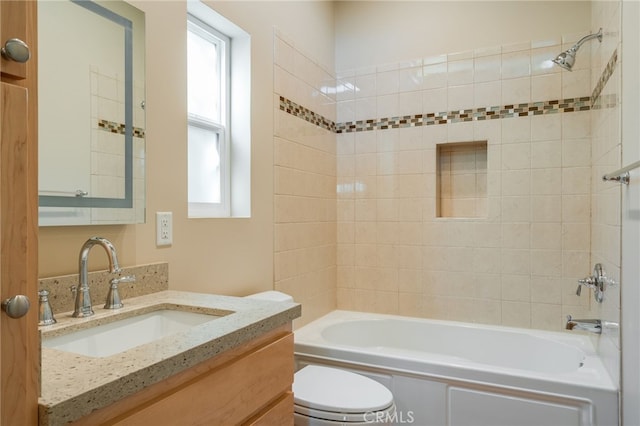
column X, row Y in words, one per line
column 621, row 175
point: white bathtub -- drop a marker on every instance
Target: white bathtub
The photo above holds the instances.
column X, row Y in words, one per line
column 459, row 374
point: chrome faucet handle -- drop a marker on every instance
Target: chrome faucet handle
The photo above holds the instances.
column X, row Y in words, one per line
column 125, row 279
column 589, row 282
column 597, row 282
column 113, row 297
column 46, row 314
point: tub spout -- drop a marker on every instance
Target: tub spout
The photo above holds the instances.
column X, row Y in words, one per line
column 591, row 325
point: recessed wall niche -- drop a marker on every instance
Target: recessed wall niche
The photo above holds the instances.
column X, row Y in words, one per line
column 461, row 179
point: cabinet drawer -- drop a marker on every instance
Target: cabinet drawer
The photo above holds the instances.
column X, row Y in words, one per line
column 278, row 414
column 227, row 395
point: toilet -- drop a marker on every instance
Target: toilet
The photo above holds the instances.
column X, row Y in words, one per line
column 328, row 396
column 325, row 396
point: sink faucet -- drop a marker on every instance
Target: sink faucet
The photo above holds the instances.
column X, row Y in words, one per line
column 592, row 325
column 83, row 299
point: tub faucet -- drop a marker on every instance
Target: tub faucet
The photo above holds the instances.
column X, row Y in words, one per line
column 592, row 325
column 83, row 299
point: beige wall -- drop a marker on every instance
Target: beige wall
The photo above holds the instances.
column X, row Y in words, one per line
column 223, row 256
column 380, row 32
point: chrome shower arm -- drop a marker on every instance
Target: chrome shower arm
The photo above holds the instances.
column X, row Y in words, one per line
column 586, row 38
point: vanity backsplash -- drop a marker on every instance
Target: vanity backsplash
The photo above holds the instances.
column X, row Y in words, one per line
column 150, row 278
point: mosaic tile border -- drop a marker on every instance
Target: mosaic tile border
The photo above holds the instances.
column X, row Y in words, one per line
column 119, row 128
column 430, row 119
column 474, row 114
column 596, row 100
column 306, row 114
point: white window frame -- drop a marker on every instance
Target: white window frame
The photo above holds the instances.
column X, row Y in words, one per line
column 238, row 130
column 222, row 128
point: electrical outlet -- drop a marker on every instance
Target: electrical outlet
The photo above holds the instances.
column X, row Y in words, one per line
column 164, row 228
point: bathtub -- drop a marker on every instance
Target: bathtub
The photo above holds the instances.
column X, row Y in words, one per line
column 459, row 374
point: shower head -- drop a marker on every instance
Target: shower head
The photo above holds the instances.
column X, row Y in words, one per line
column 567, row 58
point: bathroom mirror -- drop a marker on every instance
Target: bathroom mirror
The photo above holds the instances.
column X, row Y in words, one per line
column 91, row 134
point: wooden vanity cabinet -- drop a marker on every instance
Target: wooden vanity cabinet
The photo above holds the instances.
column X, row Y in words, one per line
column 249, row 385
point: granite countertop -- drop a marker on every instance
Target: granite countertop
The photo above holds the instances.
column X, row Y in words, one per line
column 74, row 385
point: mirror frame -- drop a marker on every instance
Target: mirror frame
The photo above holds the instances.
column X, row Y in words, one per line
column 127, row 201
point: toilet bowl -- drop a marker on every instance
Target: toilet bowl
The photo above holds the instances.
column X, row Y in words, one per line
column 325, row 396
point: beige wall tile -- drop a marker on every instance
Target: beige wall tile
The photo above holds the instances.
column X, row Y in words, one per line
column 516, row 209
column 545, row 289
column 576, row 152
column 516, row 156
column 546, row 317
column 546, row 181
column 546, row 154
column 516, row 235
column 576, row 180
column 546, row 208
column 516, row 314
column 546, row 236
column 546, row 262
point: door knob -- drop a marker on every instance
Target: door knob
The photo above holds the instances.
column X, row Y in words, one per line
column 16, row 306
column 16, row 50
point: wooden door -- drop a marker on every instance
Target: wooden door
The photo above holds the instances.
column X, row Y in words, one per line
column 19, row 342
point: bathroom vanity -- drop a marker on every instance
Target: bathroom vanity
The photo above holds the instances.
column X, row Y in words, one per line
column 236, row 368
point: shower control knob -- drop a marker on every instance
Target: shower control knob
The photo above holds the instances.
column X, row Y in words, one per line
column 16, row 50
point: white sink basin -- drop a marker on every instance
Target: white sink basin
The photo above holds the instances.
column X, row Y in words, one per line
column 118, row 336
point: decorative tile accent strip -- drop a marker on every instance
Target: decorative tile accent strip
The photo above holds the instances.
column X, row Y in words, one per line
column 604, row 78
column 606, row 101
column 306, row 114
column 432, row 118
column 115, row 127
column 474, row 114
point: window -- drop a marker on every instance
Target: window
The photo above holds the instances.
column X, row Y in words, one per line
column 208, row 120
column 219, row 115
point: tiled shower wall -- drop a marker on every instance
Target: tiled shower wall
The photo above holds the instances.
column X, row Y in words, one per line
column 305, row 181
column 518, row 263
column 516, row 259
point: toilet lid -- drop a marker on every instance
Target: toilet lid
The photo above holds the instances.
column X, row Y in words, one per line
column 331, row 389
